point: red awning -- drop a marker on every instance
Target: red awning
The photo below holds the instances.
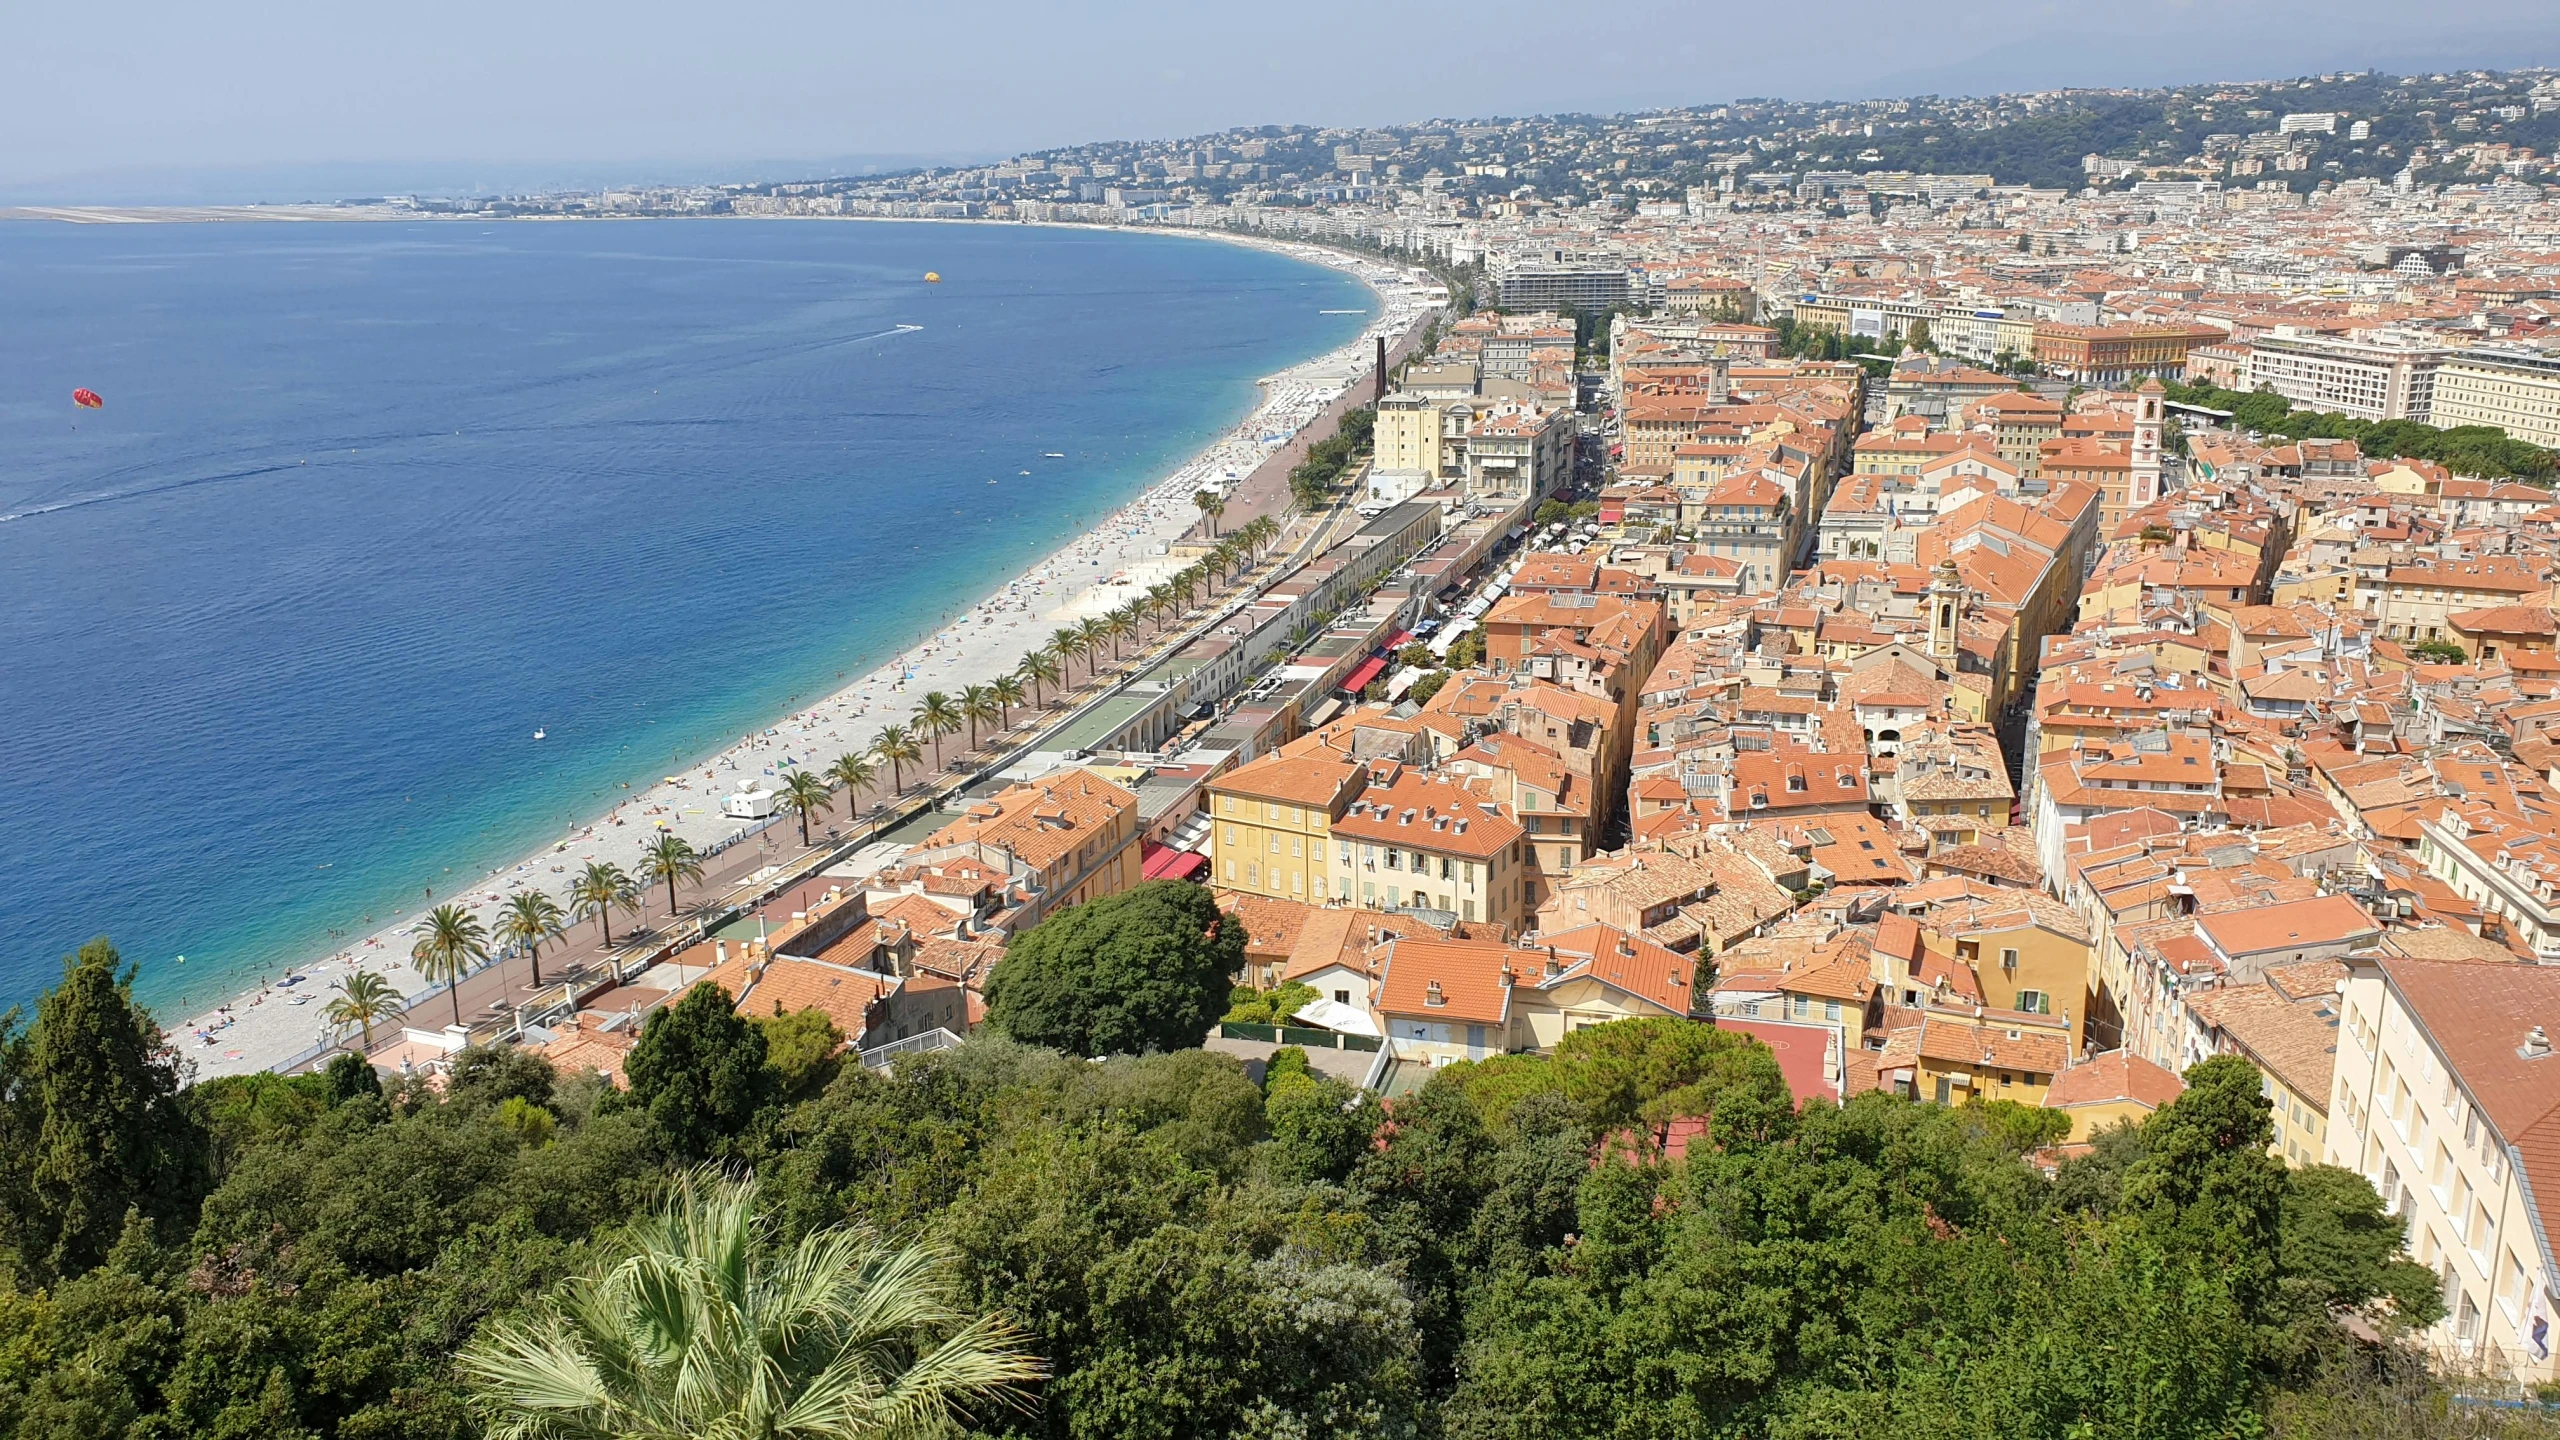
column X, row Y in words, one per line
column 1163, row 862
column 1367, row 670
column 1400, row 639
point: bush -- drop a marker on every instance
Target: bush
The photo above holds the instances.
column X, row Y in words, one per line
column 1269, row 1007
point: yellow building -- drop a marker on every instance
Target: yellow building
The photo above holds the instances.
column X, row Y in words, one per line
column 2286, row 1026
column 2104, row 1091
column 1411, row 435
column 1271, row 821
column 1073, row 835
column 2020, row 425
column 2029, row 953
column 1955, row 1058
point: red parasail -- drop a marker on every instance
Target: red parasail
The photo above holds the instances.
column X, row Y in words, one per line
column 88, row 399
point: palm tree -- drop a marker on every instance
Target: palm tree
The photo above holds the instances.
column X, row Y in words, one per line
column 364, row 1001
column 671, row 858
column 1009, row 693
column 1186, row 583
column 1211, row 507
column 853, row 772
column 1040, row 667
column 529, row 919
column 598, row 891
column 700, row 1321
column 936, row 717
column 978, row 707
column 1158, row 605
column 1116, row 627
column 1066, row 642
column 455, row 939
column 805, row 791
column 897, row 746
column 1092, row 633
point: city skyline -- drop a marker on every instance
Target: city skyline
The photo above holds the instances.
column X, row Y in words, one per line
column 262, row 107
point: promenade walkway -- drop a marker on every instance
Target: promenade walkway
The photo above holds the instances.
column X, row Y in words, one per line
column 492, row 999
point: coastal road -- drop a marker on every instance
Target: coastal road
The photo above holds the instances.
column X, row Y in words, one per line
column 1266, row 490
column 748, row 871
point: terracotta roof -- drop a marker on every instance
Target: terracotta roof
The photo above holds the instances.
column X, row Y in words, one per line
column 1626, row 962
column 2296, row 925
column 2477, row 1017
column 1042, row 821
column 2294, row 1040
column 1449, row 981
column 1289, row 779
column 2034, row 1051
column 2114, row 1076
column 1436, row 814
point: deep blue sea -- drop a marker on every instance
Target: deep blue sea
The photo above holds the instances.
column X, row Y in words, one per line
column 369, row 503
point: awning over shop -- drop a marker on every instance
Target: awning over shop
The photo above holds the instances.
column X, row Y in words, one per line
column 1163, row 862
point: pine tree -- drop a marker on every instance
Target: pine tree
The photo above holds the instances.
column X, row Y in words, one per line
column 91, row 1124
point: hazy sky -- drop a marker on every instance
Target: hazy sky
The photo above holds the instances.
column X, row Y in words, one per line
column 170, row 89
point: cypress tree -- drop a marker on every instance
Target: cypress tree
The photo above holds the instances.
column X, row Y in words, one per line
column 91, row 1123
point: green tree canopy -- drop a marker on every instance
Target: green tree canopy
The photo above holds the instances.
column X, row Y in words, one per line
column 699, row 1073
column 1146, row 969
column 91, row 1123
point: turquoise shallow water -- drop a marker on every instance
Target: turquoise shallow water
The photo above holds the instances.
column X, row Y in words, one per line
column 370, row 503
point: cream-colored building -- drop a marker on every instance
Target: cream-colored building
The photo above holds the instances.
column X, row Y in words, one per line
column 2286, row 1026
column 1412, row 433
column 1434, row 842
column 2447, row 1098
column 2517, row 391
column 1443, row 1001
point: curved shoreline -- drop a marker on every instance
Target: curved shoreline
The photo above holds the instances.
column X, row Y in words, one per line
column 1095, row 570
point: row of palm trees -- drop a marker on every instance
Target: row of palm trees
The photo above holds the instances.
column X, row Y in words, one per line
column 987, row 709
column 455, row 942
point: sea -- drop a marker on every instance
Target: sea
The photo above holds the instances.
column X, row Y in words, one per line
column 368, row 504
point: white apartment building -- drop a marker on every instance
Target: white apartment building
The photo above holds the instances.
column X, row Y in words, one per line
column 2447, row 1098
column 2516, row 390
column 2514, row 877
column 2390, row 377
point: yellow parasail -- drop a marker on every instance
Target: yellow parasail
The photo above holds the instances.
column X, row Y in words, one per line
column 933, row 277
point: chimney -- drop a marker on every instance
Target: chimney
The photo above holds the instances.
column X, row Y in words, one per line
column 1431, row 994
column 2537, row 1045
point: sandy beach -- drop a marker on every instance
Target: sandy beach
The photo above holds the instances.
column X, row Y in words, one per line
column 1095, row 572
